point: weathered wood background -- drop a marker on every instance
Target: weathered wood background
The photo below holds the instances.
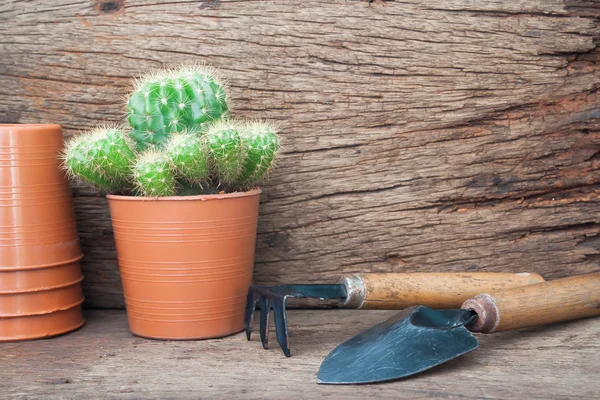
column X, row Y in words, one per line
column 419, row 135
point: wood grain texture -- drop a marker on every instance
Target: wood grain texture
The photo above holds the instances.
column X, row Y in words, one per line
column 419, row 135
column 441, row 290
column 533, row 305
column 103, row 360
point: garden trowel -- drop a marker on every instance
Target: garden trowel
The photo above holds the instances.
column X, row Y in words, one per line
column 385, row 291
column 420, row 338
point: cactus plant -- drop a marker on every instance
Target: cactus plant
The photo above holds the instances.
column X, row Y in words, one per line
column 188, row 154
column 153, row 174
column 103, row 157
column 171, row 101
column 261, row 144
column 242, row 152
column 225, row 147
column 180, row 141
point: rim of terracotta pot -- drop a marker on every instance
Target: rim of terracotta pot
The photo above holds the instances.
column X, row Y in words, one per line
column 202, row 197
column 43, row 325
column 42, row 289
column 41, row 266
column 29, row 126
column 65, row 307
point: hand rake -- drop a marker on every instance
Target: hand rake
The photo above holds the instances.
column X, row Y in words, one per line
column 389, row 291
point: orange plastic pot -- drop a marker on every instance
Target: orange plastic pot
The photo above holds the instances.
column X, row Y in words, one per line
column 185, row 262
column 18, row 280
column 37, row 222
column 40, row 325
column 40, row 277
column 42, row 301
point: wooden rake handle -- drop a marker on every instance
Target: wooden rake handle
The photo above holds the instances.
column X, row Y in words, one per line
column 539, row 304
column 394, row 291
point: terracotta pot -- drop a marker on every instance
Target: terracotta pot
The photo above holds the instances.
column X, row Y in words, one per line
column 18, row 280
column 37, row 222
column 40, row 325
column 40, row 277
column 47, row 301
column 185, row 262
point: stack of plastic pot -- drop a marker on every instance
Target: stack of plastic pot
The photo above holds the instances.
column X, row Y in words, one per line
column 40, row 276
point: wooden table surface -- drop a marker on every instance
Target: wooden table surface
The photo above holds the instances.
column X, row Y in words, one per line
column 103, row 360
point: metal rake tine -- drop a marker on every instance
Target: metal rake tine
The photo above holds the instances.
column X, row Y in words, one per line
column 251, row 301
column 281, row 329
column 265, row 309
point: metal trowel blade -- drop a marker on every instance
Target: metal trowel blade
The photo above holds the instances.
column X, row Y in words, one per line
column 412, row 341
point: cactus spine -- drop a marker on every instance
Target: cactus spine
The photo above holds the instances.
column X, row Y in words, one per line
column 171, row 101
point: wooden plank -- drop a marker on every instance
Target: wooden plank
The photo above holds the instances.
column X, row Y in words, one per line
column 104, row 360
column 419, row 135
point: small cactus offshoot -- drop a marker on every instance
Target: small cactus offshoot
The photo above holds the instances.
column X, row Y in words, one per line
column 172, row 101
column 181, row 142
column 226, row 150
column 103, row 157
column 153, row 175
column 261, row 144
column 188, row 154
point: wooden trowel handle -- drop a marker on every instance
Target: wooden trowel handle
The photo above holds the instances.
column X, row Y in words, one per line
column 539, row 304
column 394, row 291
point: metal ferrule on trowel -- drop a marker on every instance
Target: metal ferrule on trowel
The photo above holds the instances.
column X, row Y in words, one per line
column 388, row 291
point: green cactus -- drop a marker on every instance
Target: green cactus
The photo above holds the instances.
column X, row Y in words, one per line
column 224, row 140
column 261, row 143
column 153, row 174
column 102, row 157
column 189, row 156
column 187, row 145
column 173, row 101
